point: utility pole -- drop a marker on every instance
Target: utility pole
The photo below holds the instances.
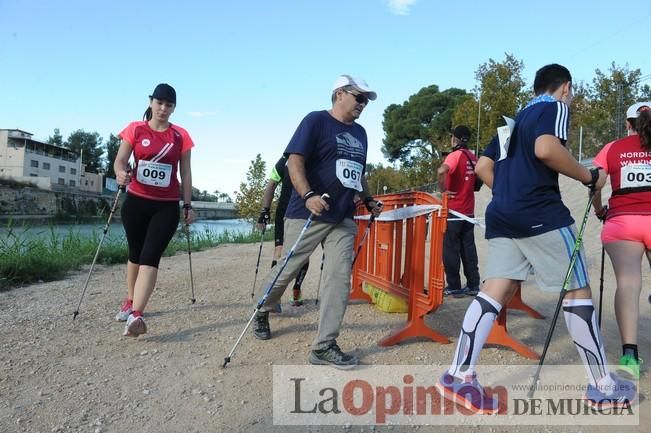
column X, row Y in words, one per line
column 619, row 117
column 478, row 123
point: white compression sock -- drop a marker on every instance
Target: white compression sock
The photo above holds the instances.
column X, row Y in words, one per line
column 477, row 324
column 581, row 322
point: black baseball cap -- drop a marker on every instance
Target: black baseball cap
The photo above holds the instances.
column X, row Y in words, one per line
column 462, row 132
column 164, row 92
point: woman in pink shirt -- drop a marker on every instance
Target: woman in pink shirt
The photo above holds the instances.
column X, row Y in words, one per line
column 150, row 213
column 626, row 235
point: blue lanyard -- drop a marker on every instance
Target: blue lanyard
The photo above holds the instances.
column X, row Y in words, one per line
column 541, row 98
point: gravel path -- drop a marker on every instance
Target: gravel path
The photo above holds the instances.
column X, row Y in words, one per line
column 57, row 375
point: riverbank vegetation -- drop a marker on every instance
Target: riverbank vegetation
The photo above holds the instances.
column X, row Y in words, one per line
column 26, row 259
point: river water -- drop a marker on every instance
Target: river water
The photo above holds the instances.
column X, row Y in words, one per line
column 116, row 231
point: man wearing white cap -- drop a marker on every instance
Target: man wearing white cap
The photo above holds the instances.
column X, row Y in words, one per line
column 326, row 155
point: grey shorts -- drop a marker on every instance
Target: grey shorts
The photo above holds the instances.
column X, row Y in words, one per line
column 547, row 255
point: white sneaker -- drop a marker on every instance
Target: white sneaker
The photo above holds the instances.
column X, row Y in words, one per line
column 135, row 326
column 125, row 310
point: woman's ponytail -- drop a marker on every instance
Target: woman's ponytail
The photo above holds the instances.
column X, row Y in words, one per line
column 643, row 128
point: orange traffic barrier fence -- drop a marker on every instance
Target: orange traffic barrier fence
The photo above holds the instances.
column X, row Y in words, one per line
column 499, row 334
column 395, row 258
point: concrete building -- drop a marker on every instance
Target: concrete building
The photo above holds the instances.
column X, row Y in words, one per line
column 48, row 166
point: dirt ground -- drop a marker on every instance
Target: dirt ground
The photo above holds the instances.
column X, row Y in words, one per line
column 57, row 375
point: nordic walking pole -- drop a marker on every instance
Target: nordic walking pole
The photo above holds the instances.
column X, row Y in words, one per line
column 257, row 264
column 273, row 282
column 318, row 287
column 601, row 283
column 187, row 236
column 106, row 228
column 361, row 242
column 566, row 282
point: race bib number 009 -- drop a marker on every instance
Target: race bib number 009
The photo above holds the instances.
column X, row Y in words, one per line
column 349, row 173
column 154, row 174
column 636, row 176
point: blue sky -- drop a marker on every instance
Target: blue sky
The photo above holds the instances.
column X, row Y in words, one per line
column 247, row 71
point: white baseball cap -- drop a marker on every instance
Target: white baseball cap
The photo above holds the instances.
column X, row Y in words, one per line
column 634, row 110
column 357, row 83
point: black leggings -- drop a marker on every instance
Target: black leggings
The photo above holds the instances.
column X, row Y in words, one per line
column 279, row 226
column 149, row 225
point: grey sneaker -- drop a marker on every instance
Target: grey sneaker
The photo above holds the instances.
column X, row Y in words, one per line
column 333, row 356
column 261, row 328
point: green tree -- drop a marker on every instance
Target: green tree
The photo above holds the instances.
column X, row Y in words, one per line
column 249, row 198
column 91, row 145
column 611, row 95
column 501, row 92
column 379, row 176
column 420, row 127
column 601, row 106
column 581, row 112
column 112, row 147
column 56, row 139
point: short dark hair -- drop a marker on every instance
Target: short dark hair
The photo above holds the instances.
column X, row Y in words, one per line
column 550, row 77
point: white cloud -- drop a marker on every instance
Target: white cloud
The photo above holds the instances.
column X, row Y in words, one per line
column 400, row 7
column 201, row 113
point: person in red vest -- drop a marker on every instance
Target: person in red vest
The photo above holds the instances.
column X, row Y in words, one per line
column 456, row 176
column 627, row 218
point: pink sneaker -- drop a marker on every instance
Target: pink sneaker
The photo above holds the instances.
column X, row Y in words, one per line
column 135, row 326
column 125, row 309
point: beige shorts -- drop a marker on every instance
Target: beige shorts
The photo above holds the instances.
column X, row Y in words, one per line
column 547, row 255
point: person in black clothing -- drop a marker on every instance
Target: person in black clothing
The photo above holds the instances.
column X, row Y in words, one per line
column 279, row 176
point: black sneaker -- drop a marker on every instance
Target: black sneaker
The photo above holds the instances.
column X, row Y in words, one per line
column 333, row 356
column 471, row 291
column 261, row 328
column 457, row 293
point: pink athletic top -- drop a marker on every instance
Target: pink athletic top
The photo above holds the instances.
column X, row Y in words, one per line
column 157, row 155
column 461, row 179
column 629, row 168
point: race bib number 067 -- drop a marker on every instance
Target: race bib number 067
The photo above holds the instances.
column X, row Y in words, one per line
column 349, row 173
column 636, row 175
column 154, row 173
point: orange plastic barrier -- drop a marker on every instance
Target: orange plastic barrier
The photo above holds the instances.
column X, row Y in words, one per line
column 394, row 258
column 499, row 334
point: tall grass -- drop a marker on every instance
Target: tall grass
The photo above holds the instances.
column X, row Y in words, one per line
column 27, row 259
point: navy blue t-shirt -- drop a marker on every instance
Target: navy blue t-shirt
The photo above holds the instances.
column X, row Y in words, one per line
column 335, row 161
column 526, row 196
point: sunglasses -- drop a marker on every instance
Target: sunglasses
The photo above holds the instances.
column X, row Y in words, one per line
column 361, row 99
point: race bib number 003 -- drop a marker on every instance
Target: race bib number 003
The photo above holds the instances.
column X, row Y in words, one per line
column 349, row 173
column 636, row 176
column 154, row 173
